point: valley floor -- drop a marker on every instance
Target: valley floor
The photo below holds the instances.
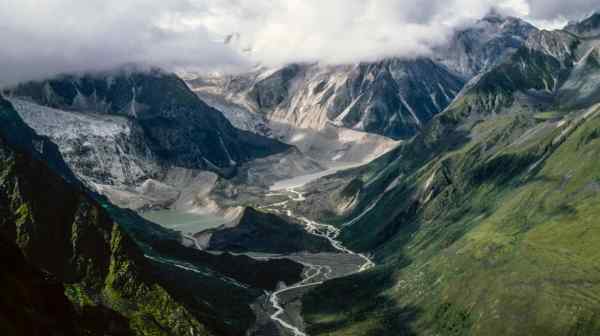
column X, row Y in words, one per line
column 279, row 312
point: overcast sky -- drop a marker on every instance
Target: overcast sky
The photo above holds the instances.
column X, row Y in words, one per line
column 43, row 38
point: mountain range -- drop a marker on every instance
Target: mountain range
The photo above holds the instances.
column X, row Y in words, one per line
column 485, row 222
column 392, row 97
column 467, row 203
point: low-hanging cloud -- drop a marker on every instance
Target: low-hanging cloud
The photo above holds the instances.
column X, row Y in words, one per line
column 41, row 39
column 553, row 9
column 44, row 38
column 344, row 31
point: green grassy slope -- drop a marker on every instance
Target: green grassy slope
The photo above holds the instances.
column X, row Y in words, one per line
column 491, row 225
column 499, row 245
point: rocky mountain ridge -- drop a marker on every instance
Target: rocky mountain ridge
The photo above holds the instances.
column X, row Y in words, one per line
column 392, row 97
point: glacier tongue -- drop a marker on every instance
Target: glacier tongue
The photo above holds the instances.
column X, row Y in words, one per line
column 97, row 147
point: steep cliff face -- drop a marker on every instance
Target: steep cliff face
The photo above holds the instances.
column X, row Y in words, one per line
column 84, row 243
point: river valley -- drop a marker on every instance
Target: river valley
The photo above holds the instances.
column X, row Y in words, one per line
column 279, row 312
column 318, row 268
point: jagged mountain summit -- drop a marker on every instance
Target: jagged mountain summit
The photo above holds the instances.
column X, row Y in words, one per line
column 483, row 44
